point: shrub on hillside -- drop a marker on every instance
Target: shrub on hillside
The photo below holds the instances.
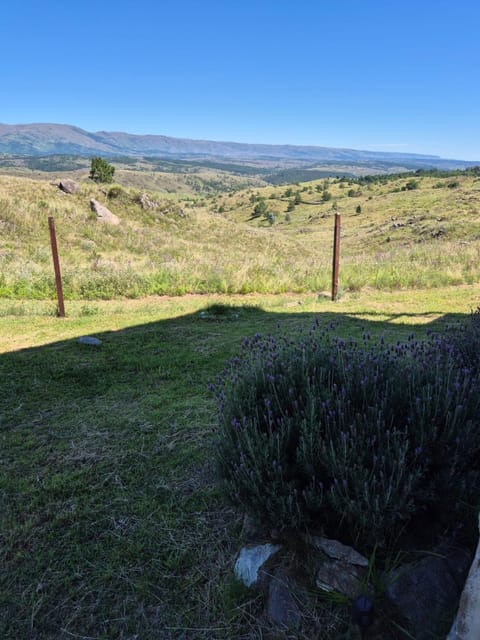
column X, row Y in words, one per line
column 260, row 209
column 270, row 217
column 115, row 192
column 346, row 437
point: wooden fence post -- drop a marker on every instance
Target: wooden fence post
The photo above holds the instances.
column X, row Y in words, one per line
column 56, row 266
column 336, row 256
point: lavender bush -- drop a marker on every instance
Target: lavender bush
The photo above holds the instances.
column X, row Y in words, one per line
column 350, row 436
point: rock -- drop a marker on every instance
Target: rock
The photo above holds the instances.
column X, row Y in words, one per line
column 146, row 202
column 68, row 186
column 103, row 214
column 459, row 561
column 467, row 622
column 282, row 608
column 89, row 340
column 335, row 575
column 425, row 594
column 251, row 560
column 338, row 551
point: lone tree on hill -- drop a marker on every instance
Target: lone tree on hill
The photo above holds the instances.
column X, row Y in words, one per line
column 101, row 170
column 260, row 209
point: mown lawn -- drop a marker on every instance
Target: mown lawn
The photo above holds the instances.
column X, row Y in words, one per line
column 112, row 524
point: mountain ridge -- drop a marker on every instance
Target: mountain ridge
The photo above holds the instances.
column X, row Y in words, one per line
column 51, row 138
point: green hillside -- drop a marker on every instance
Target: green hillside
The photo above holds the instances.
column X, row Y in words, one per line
column 397, row 232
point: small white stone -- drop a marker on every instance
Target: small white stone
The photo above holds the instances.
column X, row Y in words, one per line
column 89, row 340
column 251, row 559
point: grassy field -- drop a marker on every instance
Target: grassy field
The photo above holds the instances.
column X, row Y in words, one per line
column 393, row 237
column 112, row 523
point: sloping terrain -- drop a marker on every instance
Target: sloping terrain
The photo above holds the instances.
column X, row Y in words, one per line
column 398, row 233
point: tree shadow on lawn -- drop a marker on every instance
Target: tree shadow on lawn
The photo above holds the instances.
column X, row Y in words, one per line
column 111, row 520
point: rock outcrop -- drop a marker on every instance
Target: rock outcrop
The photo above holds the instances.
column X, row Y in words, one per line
column 68, row 186
column 103, row 214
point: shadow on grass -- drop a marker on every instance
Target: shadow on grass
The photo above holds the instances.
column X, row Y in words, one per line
column 111, row 521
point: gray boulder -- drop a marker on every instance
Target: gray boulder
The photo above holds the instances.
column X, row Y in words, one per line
column 467, row 622
column 103, row 214
column 425, row 594
column 336, row 575
column 68, row 186
column 338, row 551
column 282, row 608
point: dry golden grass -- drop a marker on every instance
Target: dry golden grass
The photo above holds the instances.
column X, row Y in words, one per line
column 427, row 237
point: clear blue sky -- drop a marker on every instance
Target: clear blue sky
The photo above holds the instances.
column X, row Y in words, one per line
column 366, row 74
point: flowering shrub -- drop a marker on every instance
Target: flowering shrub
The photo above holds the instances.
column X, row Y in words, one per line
column 467, row 342
column 348, row 436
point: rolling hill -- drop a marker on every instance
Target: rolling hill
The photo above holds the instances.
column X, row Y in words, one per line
column 397, row 232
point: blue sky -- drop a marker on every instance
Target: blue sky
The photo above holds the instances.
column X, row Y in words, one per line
column 378, row 75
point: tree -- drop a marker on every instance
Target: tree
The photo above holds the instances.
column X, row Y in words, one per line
column 260, row 209
column 101, row 170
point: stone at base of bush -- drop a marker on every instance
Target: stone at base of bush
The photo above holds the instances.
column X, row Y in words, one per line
column 336, row 550
column 467, row 621
column 282, row 608
column 250, row 562
column 347, row 579
column 426, row 593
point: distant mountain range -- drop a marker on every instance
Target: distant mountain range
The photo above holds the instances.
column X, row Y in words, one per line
column 52, row 139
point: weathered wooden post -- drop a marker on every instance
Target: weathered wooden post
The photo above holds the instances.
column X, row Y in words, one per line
column 336, row 256
column 56, row 266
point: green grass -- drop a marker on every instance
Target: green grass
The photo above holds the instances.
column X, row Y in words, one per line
column 111, row 521
column 423, row 238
